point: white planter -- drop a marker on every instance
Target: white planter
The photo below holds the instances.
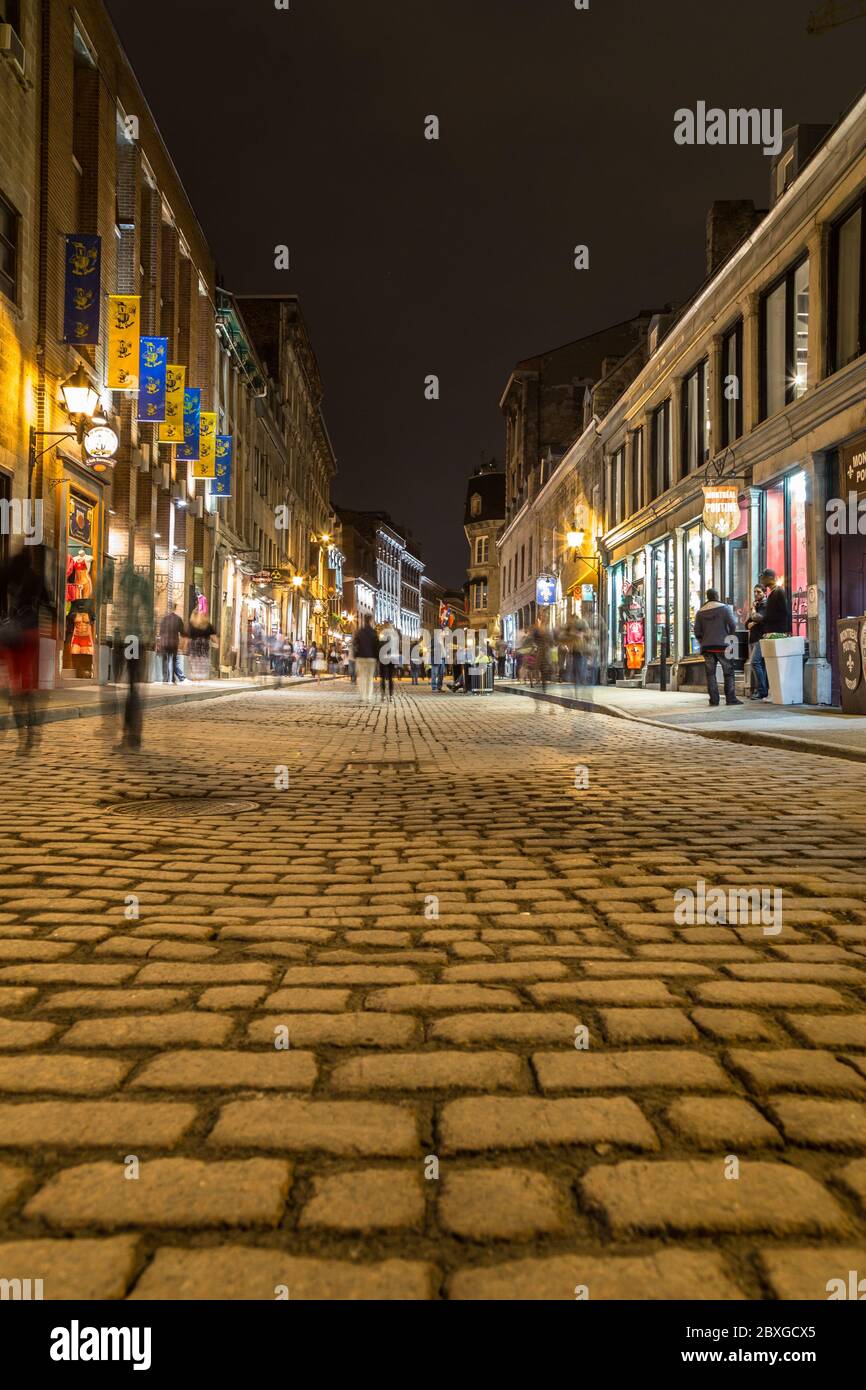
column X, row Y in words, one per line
column 784, row 661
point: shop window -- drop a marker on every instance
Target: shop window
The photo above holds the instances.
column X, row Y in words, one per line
column 10, row 224
column 785, row 340
column 847, row 316
column 614, row 654
column 695, row 442
column 662, row 448
column 636, row 470
column 731, row 403
column 784, row 543
column 698, row 547
column 663, row 609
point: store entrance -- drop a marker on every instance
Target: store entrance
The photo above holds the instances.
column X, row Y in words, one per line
column 80, row 641
column 846, row 591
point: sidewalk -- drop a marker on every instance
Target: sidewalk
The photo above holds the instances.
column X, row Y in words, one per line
column 70, row 702
column 801, row 728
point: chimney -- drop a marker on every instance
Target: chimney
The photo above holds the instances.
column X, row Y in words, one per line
column 729, row 221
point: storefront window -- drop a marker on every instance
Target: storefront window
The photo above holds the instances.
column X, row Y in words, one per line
column 662, row 595
column 614, row 653
column 79, row 637
column 695, row 583
column 798, row 588
column 785, row 543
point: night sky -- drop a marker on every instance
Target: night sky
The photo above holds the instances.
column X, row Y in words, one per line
column 413, row 257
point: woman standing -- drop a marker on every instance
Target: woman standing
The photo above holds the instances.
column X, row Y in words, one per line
column 201, row 630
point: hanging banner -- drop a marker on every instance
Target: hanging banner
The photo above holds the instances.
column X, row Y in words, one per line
column 171, row 432
column 152, row 358
column 222, row 479
column 82, row 296
column 722, row 508
column 191, row 420
column 205, row 465
column 123, row 338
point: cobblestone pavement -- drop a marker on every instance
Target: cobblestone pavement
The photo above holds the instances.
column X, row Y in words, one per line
column 429, row 914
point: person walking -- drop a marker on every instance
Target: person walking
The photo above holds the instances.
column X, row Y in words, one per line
column 201, row 630
column 776, row 619
column 388, row 654
column 714, row 624
column 437, row 666
column 170, row 632
column 23, row 595
column 366, row 650
column 133, row 615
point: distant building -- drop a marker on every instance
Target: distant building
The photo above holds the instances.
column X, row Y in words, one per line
column 398, row 568
column 483, row 520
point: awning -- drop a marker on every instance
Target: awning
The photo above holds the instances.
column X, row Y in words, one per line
column 576, row 573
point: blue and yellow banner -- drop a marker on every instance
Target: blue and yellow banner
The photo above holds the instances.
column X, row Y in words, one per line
column 152, row 364
column 81, row 299
column 205, row 465
column 171, row 432
column 191, row 422
column 221, row 486
column 123, row 337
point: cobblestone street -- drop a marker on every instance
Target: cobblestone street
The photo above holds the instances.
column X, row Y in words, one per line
column 428, row 914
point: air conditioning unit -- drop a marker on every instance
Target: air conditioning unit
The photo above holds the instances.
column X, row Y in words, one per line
column 12, row 48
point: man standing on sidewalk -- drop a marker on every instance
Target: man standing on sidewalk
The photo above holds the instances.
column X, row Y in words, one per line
column 170, row 633
column 776, row 618
column 366, row 648
column 714, row 624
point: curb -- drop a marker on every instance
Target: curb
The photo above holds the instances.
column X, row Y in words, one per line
column 62, row 715
column 788, row 743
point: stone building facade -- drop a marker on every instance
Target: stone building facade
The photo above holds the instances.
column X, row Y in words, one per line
column 483, row 520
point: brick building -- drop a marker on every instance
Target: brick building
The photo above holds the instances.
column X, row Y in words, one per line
column 88, row 160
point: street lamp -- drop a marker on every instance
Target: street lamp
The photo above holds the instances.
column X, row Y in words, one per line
column 80, row 397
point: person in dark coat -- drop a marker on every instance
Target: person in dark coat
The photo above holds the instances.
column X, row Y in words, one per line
column 22, row 597
column 170, row 632
column 776, row 618
column 714, row 624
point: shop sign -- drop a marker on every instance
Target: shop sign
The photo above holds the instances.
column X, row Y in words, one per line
column 852, row 466
column 545, row 591
column 851, row 668
column 722, row 508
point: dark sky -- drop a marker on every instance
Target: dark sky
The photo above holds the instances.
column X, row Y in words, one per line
column 306, row 127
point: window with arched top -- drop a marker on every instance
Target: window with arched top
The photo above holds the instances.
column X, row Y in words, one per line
column 475, row 504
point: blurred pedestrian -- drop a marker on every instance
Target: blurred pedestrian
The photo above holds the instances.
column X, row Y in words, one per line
column 388, row 654
column 133, row 619
column 201, row 630
column 366, row 648
column 22, row 597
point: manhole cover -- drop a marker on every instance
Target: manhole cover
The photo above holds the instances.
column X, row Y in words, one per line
column 180, row 807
